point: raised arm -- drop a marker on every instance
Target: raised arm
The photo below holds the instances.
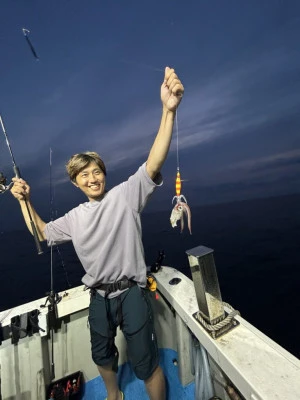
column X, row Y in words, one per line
column 21, row 191
column 171, row 95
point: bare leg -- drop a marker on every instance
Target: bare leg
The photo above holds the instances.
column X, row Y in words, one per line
column 155, row 385
column 111, row 383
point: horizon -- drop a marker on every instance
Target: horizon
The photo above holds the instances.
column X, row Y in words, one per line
column 168, row 211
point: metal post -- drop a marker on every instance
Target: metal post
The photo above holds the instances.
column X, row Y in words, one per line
column 206, row 284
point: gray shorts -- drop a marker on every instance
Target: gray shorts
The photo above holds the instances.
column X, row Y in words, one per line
column 133, row 312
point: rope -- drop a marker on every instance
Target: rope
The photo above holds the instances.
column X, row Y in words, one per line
column 221, row 324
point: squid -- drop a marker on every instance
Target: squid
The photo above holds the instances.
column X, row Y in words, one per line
column 181, row 208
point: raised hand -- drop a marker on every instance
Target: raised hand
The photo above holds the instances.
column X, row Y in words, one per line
column 171, row 90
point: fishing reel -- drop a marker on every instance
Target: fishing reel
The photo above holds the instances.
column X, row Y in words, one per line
column 3, row 184
column 156, row 266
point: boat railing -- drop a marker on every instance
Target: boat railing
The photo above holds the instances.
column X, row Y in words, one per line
column 242, row 359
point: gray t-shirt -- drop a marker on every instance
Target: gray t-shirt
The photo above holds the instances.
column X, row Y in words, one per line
column 107, row 234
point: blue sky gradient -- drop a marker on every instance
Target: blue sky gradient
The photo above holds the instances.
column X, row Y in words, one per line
column 96, row 87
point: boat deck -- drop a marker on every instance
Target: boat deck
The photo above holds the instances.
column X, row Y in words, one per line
column 134, row 388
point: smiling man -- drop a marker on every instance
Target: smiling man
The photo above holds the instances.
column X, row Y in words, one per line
column 107, row 236
column 87, row 172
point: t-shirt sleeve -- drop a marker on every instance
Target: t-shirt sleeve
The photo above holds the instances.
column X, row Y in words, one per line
column 139, row 187
column 58, row 231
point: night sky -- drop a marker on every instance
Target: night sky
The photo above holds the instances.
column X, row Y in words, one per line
column 97, row 87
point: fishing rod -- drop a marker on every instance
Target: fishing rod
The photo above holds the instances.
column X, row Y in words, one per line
column 26, row 34
column 18, row 175
column 53, row 298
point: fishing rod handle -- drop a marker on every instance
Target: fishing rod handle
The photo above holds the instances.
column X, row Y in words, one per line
column 34, row 231
column 36, row 238
column 17, row 171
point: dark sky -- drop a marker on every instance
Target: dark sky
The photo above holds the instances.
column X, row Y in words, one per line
column 96, row 87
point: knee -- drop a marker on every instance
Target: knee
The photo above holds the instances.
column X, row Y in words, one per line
column 106, row 363
column 158, row 372
column 106, row 368
column 146, row 374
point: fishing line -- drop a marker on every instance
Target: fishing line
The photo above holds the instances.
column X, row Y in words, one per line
column 177, row 141
column 52, row 211
column 18, row 175
column 181, row 207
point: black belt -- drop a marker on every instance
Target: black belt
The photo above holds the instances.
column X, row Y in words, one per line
column 113, row 287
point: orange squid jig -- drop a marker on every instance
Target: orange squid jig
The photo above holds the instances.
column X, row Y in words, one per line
column 181, row 207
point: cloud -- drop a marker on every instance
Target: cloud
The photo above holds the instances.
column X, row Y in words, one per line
column 234, row 102
column 89, row 113
column 218, row 108
column 255, row 171
column 287, row 158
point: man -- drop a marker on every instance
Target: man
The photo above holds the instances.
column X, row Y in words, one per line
column 106, row 234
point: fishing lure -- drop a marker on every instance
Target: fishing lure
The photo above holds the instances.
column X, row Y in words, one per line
column 181, row 208
column 26, row 34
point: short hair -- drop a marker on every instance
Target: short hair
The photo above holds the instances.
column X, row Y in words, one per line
column 81, row 160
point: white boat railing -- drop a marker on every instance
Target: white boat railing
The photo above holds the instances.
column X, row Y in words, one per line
column 257, row 367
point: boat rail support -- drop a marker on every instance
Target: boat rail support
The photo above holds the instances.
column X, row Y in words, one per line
column 211, row 314
column 184, row 351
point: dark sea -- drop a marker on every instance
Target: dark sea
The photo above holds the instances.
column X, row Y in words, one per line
column 256, row 248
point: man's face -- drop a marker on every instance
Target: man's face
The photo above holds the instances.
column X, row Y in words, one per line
column 91, row 180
